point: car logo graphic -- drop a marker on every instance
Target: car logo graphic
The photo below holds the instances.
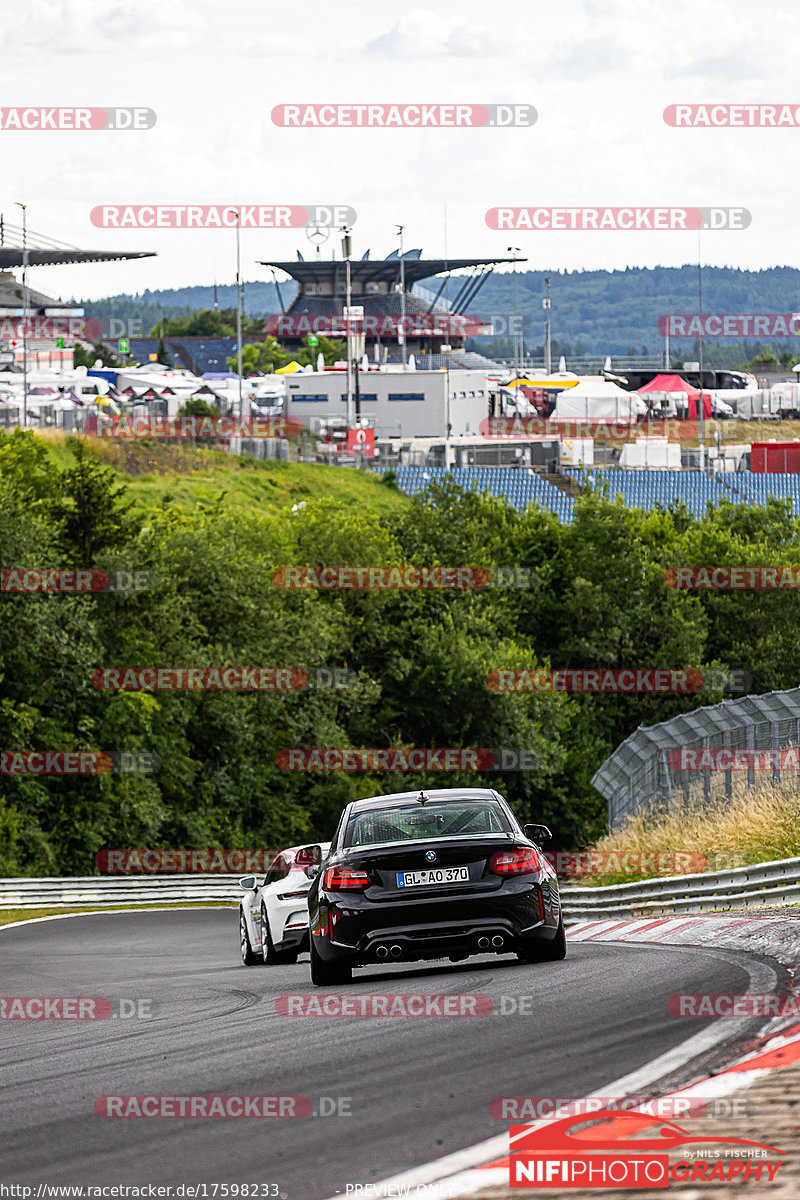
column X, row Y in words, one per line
column 430, row 855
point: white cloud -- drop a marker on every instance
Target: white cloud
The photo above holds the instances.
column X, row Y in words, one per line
column 599, row 72
column 422, row 34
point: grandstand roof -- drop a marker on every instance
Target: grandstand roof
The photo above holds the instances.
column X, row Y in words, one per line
column 43, row 251
column 362, row 272
column 11, row 257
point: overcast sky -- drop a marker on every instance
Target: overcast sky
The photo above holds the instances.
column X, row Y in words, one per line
column 599, row 75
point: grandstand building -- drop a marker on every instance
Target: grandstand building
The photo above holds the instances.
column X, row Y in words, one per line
column 33, row 325
column 394, row 304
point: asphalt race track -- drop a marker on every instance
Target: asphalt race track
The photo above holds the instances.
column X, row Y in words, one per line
column 418, row 1088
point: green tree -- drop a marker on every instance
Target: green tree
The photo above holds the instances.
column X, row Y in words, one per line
column 208, row 322
column 198, row 406
column 88, row 358
column 90, row 509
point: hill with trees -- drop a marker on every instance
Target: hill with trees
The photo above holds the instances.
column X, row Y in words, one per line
column 593, row 312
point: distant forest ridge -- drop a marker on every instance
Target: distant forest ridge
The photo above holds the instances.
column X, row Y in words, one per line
column 592, row 312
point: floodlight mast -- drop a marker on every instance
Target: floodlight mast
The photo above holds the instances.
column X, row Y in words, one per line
column 402, row 332
column 347, row 250
column 25, row 260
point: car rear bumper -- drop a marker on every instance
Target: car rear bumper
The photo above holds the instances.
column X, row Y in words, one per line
column 294, row 939
column 369, row 933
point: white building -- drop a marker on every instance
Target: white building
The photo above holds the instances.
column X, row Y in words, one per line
column 395, row 403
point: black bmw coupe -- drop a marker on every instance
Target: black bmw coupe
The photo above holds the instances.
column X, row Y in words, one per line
column 445, row 873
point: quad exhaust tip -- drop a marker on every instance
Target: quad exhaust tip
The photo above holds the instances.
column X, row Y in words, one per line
column 483, row 943
column 382, row 952
column 396, row 951
column 497, row 940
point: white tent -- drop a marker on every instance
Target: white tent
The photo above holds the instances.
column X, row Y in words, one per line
column 153, row 375
column 596, row 399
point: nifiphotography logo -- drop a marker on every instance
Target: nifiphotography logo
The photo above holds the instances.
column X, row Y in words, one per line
column 603, row 1151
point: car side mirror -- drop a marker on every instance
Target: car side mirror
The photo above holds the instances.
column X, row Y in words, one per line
column 537, row 833
column 249, row 883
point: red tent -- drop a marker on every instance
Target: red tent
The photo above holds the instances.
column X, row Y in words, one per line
column 674, row 383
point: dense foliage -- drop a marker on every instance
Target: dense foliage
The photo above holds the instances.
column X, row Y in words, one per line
column 598, row 597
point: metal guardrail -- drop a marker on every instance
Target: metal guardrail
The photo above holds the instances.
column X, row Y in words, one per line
column 100, row 891
column 752, row 887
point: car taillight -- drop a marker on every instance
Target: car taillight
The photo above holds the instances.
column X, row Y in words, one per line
column 342, row 878
column 519, row 860
column 293, row 895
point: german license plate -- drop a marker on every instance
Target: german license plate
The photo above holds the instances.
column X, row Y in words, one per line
column 436, row 875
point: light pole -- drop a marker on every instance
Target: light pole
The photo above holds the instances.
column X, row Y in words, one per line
column 446, row 351
column 402, row 337
column 235, row 211
column 347, row 249
column 546, row 307
column 700, row 304
column 25, row 257
column 514, row 250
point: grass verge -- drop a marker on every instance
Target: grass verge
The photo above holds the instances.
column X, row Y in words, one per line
column 9, row 915
column 755, row 825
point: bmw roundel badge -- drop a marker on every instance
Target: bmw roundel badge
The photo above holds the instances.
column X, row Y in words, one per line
column 430, row 855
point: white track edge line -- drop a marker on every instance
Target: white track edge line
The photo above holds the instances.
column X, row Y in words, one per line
column 483, row 1152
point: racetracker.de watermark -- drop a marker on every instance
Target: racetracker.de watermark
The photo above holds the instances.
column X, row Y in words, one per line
column 633, row 862
column 729, row 325
column 406, row 758
column 632, row 680
column 205, row 1106
column 537, row 1108
column 754, row 1004
column 221, row 216
column 375, row 325
column 732, row 116
column 79, row 762
column 75, row 581
column 600, row 430
column 130, row 428
column 722, row 579
column 221, row 679
column 403, row 116
column 724, row 758
column 49, row 119
column 388, row 1004
column 624, row 220
column 185, row 862
column 73, row 1008
column 400, row 578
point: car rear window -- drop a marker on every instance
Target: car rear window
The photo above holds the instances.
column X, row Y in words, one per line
column 279, row 868
column 415, row 821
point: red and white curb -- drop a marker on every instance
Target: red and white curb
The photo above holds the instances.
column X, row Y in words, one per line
column 778, row 937
column 487, row 1163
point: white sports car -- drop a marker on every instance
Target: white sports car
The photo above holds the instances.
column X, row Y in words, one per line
column 273, row 914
